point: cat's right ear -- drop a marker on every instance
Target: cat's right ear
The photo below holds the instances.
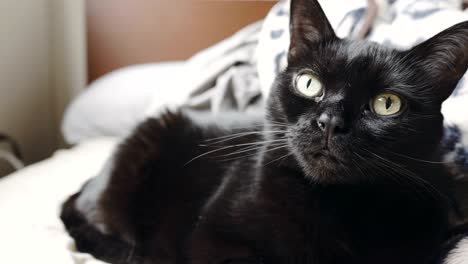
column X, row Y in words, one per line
column 308, row 25
column 444, row 58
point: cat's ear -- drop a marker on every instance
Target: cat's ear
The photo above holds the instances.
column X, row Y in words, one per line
column 308, row 24
column 444, row 58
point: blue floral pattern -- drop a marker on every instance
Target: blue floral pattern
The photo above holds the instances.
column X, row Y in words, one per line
column 454, row 148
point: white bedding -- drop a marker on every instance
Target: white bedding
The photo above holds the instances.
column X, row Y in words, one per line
column 115, row 103
column 30, row 229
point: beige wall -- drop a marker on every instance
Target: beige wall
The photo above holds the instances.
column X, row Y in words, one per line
column 34, row 72
column 69, row 62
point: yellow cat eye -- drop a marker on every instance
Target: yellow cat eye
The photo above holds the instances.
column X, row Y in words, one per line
column 308, row 85
column 386, row 104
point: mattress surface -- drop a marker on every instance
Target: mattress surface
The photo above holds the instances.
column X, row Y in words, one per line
column 30, row 200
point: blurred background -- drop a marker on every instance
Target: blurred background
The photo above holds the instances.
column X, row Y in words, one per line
column 76, row 76
column 51, row 49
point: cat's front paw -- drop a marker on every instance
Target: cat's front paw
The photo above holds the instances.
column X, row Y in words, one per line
column 456, row 250
column 88, row 238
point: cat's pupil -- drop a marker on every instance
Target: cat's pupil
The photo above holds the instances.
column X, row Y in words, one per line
column 308, row 83
column 388, row 103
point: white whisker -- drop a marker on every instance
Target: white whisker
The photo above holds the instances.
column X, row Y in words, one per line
column 257, row 153
column 239, row 135
column 280, row 158
column 251, row 148
column 233, row 146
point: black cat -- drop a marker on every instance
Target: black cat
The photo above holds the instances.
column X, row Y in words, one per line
column 344, row 167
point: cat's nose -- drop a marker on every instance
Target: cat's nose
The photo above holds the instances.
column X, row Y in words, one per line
column 330, row 124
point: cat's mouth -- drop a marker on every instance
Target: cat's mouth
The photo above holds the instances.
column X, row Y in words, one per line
column 323, row 165
column 324, row 154
column 320, row 163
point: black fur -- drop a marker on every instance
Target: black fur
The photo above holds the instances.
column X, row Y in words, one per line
column 371, row 190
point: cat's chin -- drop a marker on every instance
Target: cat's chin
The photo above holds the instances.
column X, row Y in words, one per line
column 321, row 167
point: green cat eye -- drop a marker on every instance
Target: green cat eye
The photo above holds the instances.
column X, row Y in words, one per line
column 386, row 104
column 308, row 85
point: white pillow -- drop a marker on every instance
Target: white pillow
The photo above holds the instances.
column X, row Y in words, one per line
column 115, row 103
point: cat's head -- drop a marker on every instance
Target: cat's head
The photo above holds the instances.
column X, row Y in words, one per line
column 355, row 106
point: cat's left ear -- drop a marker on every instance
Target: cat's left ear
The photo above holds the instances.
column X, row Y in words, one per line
column 308, row 24
column 444, row 58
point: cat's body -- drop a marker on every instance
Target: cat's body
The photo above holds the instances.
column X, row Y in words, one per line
column 325, row 177
column 214, row 209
